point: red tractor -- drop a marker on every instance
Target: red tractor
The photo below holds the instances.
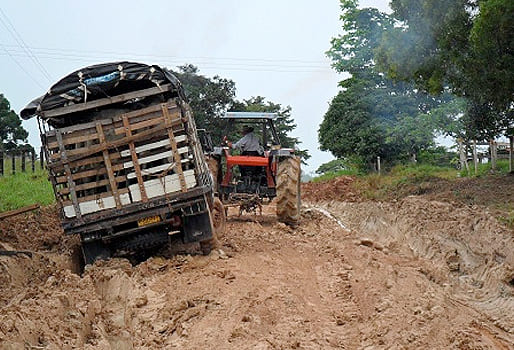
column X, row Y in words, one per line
column 249, row 181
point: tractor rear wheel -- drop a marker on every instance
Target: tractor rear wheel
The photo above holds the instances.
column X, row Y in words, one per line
column 219, row 220
column 288, row 191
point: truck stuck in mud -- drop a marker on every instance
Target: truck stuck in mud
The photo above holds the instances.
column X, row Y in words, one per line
column 124, row 159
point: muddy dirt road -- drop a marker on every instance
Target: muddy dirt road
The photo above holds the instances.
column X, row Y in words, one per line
column 412, row 274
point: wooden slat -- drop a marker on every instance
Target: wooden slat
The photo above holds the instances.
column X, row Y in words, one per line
column 74, row 139
column 104, row 101
column 57, row 167
column 89, row 173
column 113, row 144
column 157, row 169
column 96, row 196
column 92, row 184
column 117, row 121
column 178, row 164
column 146, row 123
column 140, row 125
column 157, row 156
column 135, row 161
column 67, row 170
column 89, row 126
column 108, row 166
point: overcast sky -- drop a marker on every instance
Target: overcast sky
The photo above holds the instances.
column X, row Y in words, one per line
column 271, row 48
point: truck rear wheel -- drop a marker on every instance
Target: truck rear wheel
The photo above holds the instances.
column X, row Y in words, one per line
column 288, row 191
column 93, row 251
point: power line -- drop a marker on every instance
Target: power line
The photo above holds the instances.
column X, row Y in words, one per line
column 211, row 58
column 204, row 65
column 22, row 68
column 12, row 30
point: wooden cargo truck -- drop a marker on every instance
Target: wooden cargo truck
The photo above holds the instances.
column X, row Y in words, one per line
column 124, row 159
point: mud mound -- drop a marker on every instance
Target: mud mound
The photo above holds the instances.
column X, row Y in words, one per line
column 39, row 230
column 339, row 188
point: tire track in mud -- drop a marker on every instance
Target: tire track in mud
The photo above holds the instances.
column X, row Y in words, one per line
column 464, row 252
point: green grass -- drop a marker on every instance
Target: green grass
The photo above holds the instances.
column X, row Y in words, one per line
column 420, row 172
column 401, row 179
column 24, row 189
column 502, row 167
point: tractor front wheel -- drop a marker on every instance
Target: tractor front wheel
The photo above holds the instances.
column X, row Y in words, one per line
column 288, row 191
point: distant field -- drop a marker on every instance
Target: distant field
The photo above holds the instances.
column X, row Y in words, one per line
column 23, row 189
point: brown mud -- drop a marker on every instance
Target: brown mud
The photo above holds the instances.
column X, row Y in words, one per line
column 417, row 273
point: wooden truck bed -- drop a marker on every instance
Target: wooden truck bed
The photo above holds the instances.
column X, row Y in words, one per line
column 129, row 158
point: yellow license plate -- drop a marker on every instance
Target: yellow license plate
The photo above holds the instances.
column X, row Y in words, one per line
column 148, row 221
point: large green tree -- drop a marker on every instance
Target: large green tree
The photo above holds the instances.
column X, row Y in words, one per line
column 461, row 45
column 209, row 98
column 372, row 116
column 12, row 132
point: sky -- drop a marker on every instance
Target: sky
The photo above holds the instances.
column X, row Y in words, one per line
column 270, row 48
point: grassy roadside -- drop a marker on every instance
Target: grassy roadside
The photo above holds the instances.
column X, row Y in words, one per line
column 492, row 190
column 24, row 189
column 402, row 180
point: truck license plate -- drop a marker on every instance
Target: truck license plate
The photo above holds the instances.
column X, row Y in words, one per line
column 148, row 221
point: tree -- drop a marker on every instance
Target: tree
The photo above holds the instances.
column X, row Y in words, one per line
column 11, row 130
column 373, row 116
column 209, row 98
column 333, row 166
column 461, row 45
column 366, row 122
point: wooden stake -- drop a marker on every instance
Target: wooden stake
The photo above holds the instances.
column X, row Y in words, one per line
column 475, row 158
column 511, row 153
column 23, row 162
column 6, row 214
column 492, row 150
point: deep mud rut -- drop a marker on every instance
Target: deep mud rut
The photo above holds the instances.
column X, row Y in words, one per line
column 415, row 274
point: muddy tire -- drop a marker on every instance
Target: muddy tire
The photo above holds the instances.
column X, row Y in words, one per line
column 288, row 191
column 214, row 168
column 219, row 219
column 93, row 251
column 206, row 246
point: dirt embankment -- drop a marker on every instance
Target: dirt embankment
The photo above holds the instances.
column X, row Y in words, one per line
column 411, row 274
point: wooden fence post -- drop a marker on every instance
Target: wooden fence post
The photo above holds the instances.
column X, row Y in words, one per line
column 13, row 167
column 23, row 162
column 1, row 163
column 463, row 156
column 511, row 153
column 492, row 150
column 41, row 157
column 33, row 160
column 475, row 158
